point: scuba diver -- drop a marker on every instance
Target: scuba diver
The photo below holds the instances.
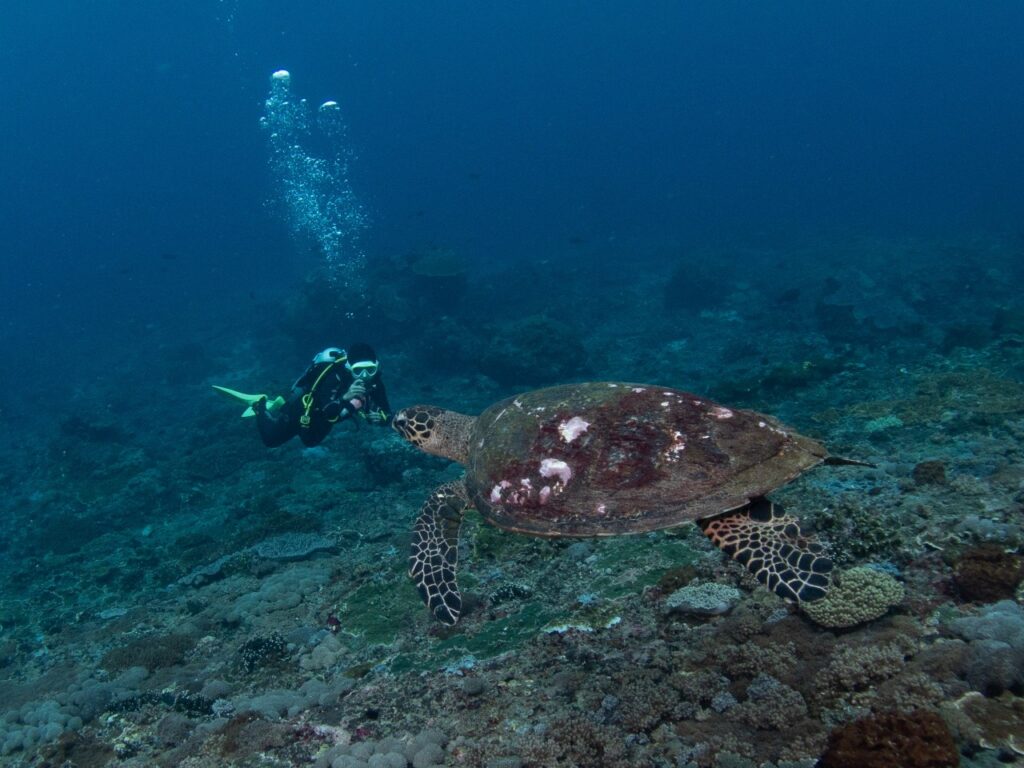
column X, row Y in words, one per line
column 338, row 385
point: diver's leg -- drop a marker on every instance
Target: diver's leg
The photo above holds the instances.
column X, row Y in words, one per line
column 278, row 428
column 315, row 433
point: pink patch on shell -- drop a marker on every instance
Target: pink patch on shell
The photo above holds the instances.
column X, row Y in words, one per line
column 556, row 468
column 496, row 491
column 573, row 428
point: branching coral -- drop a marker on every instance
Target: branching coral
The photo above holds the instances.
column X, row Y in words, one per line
column 860, row 667
column 771, row 705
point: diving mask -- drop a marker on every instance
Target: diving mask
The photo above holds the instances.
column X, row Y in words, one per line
column 365, row 369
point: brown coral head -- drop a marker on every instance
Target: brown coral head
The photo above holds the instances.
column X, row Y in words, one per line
column 931, row 472
column 987, row 574
column 920, row 739
column 999, row 722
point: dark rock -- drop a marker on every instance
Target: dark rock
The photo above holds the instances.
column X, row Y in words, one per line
column 77, row 749
column 987, row 574
column 247, row 734
column 438, row 279
column 172, row 729
column 579, row 551
column 68, row 532
column 968, row 336
column 532, row 351
column 930, row 473
column 676, row 578
column 504, row 762
column 693, row 286
column 1009, row 320
column 151, row 651
column 788, row 296
column 260, row 651
column 992, row 666
column 92, row 432
column 840, row 323
column 510, row 592
column 918, row 740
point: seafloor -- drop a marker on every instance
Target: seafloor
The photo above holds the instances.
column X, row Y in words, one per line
column 174, row 594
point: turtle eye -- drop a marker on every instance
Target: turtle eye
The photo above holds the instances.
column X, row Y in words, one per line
column 400, row 424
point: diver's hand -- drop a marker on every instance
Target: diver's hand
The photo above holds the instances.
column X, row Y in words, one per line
column 377, row 417
column 357, row 391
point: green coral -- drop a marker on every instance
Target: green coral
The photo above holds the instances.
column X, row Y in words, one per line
column 860, row 595
column 883, row 423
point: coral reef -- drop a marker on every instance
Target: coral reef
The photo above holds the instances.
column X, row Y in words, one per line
column 771, row 705
column 149, row 652
column 994, row 658
column 708, row 599
column 853, row 668
column 256, row 652
column 533, row 351
column 226, row 605
column 693, row 286
column 987, row 574
column 916, row 740
column 989, row 723
column 858, row 595
column 931, row 472
column 857, row 531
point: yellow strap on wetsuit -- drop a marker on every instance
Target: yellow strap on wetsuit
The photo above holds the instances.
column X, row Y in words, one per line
column 307, row 399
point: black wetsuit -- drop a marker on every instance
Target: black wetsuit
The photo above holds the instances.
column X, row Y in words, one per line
column 328, row 407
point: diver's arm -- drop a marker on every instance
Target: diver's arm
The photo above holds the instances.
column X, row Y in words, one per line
column 379, row 396
column 342, row 405
column 378, row 410
column 303, row 383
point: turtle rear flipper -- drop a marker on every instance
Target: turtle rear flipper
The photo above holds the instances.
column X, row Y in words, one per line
column 434, row 554
column 764, row 539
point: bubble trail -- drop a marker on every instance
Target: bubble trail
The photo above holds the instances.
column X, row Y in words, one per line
column 315, row 186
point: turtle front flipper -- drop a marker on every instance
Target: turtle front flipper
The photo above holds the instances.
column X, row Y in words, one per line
column 434, row 554
column 762, row 537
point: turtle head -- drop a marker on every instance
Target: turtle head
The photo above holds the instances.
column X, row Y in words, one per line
column 436, row 431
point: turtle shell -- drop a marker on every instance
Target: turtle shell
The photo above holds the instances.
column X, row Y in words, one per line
column 608, row 458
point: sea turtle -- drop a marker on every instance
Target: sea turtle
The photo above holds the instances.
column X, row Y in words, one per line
column 612, row 458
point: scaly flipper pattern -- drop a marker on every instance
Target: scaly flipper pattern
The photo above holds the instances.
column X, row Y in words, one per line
column 764, row 539
column 434, row 555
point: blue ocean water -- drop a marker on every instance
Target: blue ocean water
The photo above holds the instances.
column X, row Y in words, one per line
column 812, row 210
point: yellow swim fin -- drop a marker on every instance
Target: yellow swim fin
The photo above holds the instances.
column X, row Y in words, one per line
column 274, row 404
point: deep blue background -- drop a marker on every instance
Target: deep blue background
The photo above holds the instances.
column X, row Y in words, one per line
column 135, row 176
